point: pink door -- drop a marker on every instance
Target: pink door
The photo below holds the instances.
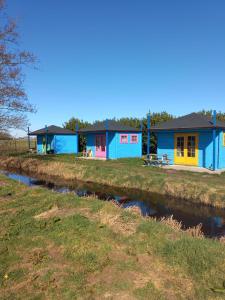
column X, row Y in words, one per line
column 100, row 145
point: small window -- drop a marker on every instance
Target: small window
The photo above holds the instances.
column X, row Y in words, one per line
column 123, row 139
column 134, row 139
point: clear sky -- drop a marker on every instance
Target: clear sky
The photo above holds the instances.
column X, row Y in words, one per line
column 101, row 59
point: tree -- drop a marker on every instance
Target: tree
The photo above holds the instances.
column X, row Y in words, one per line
column 220, row 115
column 14, row 103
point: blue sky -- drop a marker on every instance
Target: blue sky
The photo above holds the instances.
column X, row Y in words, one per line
column 102, row 59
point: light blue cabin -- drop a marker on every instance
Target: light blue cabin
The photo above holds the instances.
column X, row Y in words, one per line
column 194, row 140
column 112, row 140
column 57, row 140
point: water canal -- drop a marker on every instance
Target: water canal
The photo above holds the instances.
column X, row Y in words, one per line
column 212, row 219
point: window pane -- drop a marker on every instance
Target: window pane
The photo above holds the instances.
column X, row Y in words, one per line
column 103, row 141
column 191, row 146
column 134, row 139
column 123, row 139
column 180, row 146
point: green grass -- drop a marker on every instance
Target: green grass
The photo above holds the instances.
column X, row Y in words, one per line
column 90, row 249
column 124, row 173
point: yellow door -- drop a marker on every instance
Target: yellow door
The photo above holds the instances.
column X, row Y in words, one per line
column 186, row 149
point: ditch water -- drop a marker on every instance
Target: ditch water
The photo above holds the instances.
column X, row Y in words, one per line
column 190, row 214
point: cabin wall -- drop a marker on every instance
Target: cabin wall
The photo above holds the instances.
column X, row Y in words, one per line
column 50, row 140
column 65, row 144
column 112, row 145
column 206, row 149
column 165, row 145
column 91, row 143
column 39, row 144
column 58, row 143
column 221, row 150
column 129, row 149
column 116, row 149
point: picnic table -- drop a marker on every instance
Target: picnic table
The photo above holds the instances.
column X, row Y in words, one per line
column 156, row 160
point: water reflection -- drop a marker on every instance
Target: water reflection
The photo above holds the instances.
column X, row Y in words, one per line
column 212, row 219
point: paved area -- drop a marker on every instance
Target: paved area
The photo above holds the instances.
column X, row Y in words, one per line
column 193, row 169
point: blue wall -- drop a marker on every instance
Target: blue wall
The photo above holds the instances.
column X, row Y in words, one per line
column 59, row 143
column 65, row 144
column 50, row 140
column 221, row 147
column 116, row 149
column 39, row 143
column 165, row 142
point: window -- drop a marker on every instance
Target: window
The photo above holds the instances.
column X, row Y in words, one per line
column 180, row 146
column 134, row 139
column 191, row 143
column 123, row 138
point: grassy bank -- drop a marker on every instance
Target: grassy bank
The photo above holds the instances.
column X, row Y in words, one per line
column 125, row 173
column 58, row 246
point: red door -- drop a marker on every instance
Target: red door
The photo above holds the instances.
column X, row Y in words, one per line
column 100, row 145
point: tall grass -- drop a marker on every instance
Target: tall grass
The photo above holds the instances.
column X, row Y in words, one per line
column 16, row 146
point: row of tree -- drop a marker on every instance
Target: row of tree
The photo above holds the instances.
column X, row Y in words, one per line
column 156, row 118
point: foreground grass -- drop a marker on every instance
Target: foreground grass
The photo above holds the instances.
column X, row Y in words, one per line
column 55, row 246
column 124, row 173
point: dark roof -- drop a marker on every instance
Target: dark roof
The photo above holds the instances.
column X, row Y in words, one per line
column 112, row 126
column 52, row 130
column 191, row 121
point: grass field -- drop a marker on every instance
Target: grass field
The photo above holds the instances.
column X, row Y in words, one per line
column 124, row 173
column 56, row 246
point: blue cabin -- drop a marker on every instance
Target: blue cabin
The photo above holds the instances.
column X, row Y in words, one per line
column 57, row 140
column 194, row 140
column 112, row 140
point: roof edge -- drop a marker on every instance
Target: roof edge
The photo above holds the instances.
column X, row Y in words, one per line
column 109, row 130
column 187, row 128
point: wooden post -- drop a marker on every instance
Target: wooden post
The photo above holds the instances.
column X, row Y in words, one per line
column 28, row 137
column 77, row 137
column 148, row 129
column 46, row 139
column 141, row 128
column 214, row 140
column 141, row 125
column 107, row 137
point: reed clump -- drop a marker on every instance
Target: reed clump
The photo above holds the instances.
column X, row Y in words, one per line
column 222, row 240
column 195, row 231
column 171, row 222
